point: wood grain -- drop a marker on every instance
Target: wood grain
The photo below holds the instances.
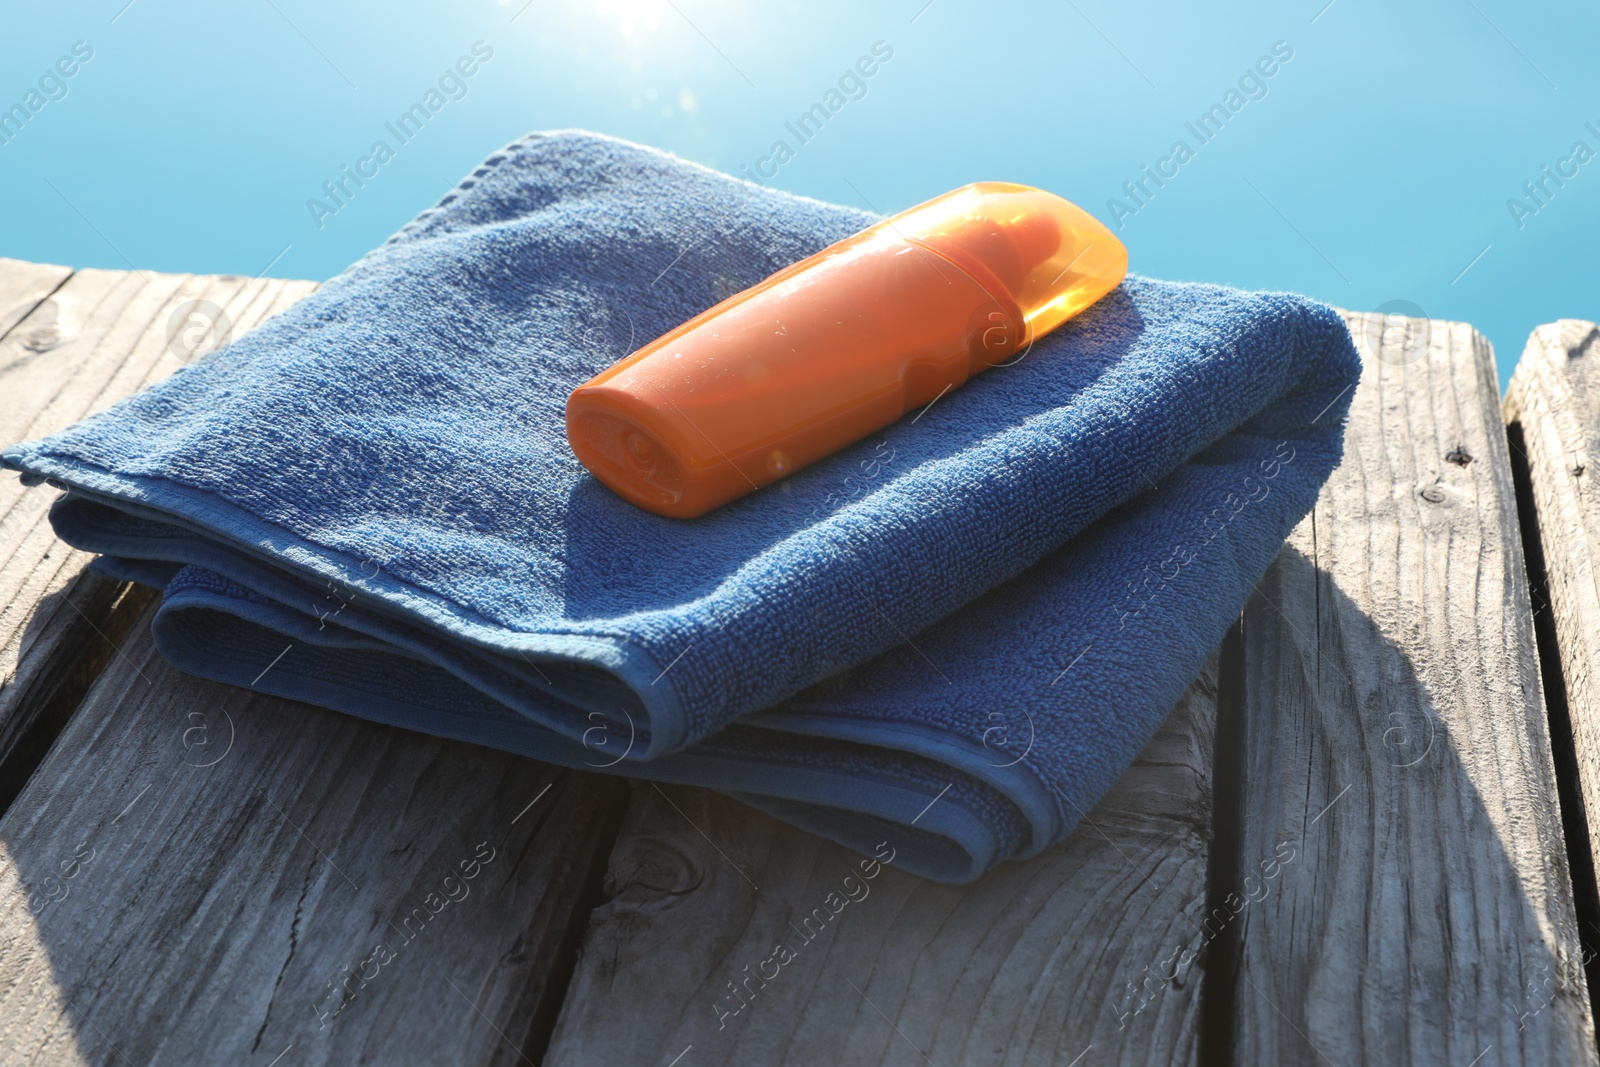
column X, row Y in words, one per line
column 1035, row 963
column 201, row 874
column 1396, row 744
column 70, row 347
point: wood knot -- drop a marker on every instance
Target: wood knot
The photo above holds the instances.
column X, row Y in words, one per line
column 653, row 869
column 43, row 328
column 42, row 340
column 1435, row 493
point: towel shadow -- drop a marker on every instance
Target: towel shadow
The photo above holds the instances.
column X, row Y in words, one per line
column 66, row 643
column 1343, row 755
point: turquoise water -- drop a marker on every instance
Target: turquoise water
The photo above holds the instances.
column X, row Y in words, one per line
column 1433, row 156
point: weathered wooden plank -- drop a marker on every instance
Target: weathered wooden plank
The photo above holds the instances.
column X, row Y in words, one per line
column 202, row 874
column 75, row 346
column 1552, row 411
column 1033, row 964
column 1397, row 760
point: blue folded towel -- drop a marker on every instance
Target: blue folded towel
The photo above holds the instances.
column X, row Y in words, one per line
column 951, row 637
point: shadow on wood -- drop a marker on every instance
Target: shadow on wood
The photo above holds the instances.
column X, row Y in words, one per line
column 1033, row 963
column 1434, row 921
column 1416, row 917
column 200, row 874
column 66, row 643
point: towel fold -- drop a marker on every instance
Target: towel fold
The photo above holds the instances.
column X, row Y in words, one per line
column 948, row 639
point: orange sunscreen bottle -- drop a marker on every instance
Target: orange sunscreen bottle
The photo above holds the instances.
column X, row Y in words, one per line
column 842, row 343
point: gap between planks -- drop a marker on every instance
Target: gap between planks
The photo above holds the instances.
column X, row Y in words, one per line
column 1397, row 742
column 1035, row 962
column 1552, row 409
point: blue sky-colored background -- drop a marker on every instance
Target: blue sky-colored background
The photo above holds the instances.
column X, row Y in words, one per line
column 1376, row 169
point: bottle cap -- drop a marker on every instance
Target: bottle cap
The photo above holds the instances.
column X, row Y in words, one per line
column 1047, row 255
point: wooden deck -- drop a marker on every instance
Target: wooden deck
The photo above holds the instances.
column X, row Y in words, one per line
column 1360, row 838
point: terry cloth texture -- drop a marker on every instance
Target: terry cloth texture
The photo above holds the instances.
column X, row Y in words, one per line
column 951, row 637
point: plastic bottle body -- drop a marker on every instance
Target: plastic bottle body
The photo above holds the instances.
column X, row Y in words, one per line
column 806, row 362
